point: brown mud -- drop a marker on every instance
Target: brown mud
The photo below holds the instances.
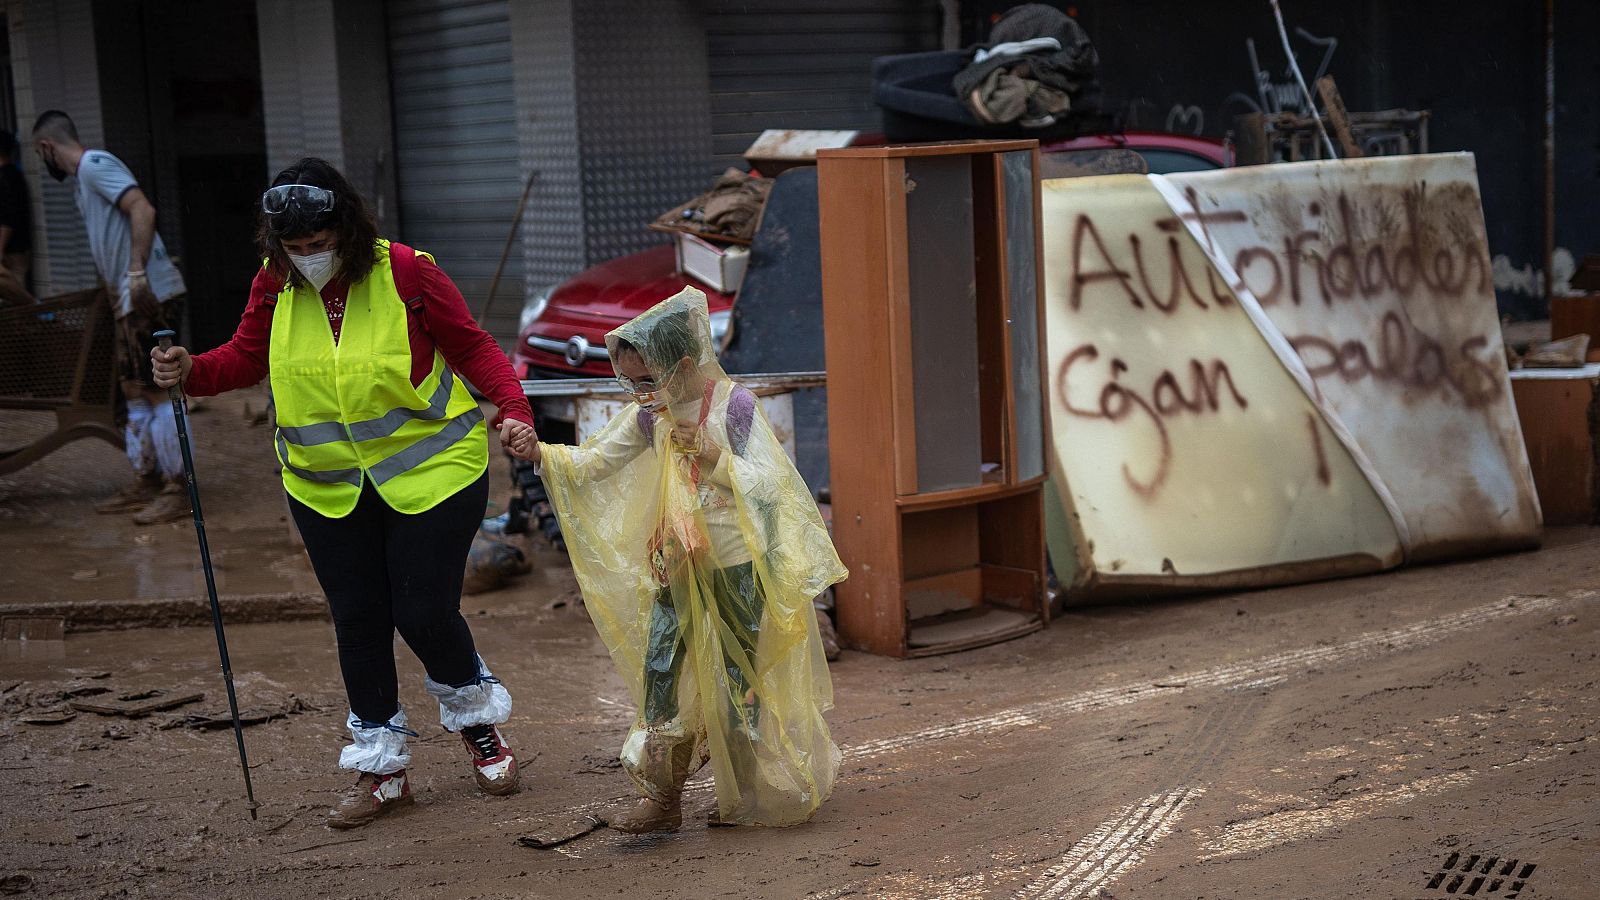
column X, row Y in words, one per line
column 1344, row 739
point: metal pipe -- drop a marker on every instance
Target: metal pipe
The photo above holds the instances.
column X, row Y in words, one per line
column 1294, row 66
column 1549, row 149
column 592, row 387
column 164, row 338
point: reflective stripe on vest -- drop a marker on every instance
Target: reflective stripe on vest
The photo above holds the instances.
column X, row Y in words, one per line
column 382, row 426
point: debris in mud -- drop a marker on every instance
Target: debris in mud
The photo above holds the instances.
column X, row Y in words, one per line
column 33, row 628
column 552, row 837
column 491, row 563
column 866, row 861
column 137, row 704
column 1563, row 621
column 254, row 715
column 48, row 717
column 16, row 884
column 599, row 764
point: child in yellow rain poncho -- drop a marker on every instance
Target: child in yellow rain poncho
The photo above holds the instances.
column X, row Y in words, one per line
column 699, row 550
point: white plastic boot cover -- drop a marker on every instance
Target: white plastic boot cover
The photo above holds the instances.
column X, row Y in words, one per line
column 485, row 702
column 379, row 749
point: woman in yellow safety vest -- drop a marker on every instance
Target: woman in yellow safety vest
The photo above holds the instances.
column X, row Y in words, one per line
column 384, row 456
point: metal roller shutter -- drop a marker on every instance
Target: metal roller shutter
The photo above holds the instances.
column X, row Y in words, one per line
column 797, row 64
column 456, row 143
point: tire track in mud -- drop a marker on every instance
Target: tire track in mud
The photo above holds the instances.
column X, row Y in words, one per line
column 1262, row 671
column 1277, row 829
column 1112, row 849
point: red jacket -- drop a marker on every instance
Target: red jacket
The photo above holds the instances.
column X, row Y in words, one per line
column 445, row 323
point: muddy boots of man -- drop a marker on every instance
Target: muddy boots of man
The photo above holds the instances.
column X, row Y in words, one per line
column 136, row 496
column 171, row 504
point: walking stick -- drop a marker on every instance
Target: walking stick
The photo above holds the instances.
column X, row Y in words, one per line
column 181, row 418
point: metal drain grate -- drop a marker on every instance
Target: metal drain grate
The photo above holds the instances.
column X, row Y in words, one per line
column 1477, row 875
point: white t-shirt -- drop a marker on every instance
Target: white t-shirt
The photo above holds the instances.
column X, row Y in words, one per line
column 102, row 180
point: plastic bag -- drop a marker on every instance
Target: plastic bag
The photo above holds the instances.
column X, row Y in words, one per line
column 698, row 562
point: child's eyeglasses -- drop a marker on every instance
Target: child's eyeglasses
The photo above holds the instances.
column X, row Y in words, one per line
column 642, row 386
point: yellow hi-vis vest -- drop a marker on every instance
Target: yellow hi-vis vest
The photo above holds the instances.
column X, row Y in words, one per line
column 348, row 411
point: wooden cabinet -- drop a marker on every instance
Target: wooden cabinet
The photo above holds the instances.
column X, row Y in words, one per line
column 932, row 310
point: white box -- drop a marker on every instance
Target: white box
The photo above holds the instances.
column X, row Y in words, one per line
column 720, row 266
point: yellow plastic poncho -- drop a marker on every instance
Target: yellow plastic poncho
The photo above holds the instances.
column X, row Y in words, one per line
column 699, row 555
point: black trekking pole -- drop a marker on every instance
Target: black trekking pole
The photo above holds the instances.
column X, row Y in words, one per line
column 165, row 337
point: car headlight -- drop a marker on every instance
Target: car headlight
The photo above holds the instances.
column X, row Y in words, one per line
column 533, row 308
column 719, row 325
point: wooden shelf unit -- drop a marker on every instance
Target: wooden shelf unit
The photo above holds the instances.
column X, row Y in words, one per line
column 934, row 323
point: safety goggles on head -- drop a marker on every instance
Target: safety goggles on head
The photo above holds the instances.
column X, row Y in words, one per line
column 307, row 199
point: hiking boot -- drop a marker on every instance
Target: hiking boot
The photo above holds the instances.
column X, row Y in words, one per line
column 492, row 763
column 370, row 797
column 649, row 817
column 137, row 495
column 169, row 505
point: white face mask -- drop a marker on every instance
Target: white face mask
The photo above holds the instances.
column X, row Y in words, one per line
column 316, row 268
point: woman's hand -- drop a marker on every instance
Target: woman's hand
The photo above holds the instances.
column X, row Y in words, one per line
column 520, row 440
column 171, row 366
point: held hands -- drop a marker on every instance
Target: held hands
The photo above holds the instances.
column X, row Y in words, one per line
column 520, row 440
column 170, row 366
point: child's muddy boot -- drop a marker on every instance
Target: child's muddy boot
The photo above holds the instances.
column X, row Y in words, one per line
column 650, row 816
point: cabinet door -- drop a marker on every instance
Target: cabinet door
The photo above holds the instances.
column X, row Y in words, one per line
column 943, row 308
column 1022, row 310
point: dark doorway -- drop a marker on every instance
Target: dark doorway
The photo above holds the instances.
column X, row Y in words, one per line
column 180, row 83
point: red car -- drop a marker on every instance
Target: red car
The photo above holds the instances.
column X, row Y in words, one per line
column 563, row 331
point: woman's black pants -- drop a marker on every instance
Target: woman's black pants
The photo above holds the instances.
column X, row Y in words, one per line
column 385, row 571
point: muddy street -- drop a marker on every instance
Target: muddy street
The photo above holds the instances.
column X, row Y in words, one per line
column 1373, row 737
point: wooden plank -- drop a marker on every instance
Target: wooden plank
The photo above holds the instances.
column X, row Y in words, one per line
column 933, row 148
column 967, row 496
column 986, row 626
column 1338, row 118
column 939, row 594
column 1019, row 589
column 134, row 706
column 1559, row 421
column 856, row 326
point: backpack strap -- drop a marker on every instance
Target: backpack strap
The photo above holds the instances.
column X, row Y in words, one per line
column 407, row 278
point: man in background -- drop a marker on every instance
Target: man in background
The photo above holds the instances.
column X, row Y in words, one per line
column 145, row 284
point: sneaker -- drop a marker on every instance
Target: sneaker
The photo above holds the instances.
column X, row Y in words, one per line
column 649, row 817
column 137, row 495
column 169, row 505
column 493, row 765
column 371, row 796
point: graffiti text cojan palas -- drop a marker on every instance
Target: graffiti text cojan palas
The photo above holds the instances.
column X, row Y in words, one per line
column 1325, row 265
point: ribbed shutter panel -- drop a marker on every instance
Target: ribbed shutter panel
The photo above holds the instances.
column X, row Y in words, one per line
column 803, row 63
column 456, row 144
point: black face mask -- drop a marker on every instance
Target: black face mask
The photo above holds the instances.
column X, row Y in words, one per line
column 55, row 171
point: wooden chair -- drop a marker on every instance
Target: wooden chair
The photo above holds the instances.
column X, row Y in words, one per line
column 57, row 356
